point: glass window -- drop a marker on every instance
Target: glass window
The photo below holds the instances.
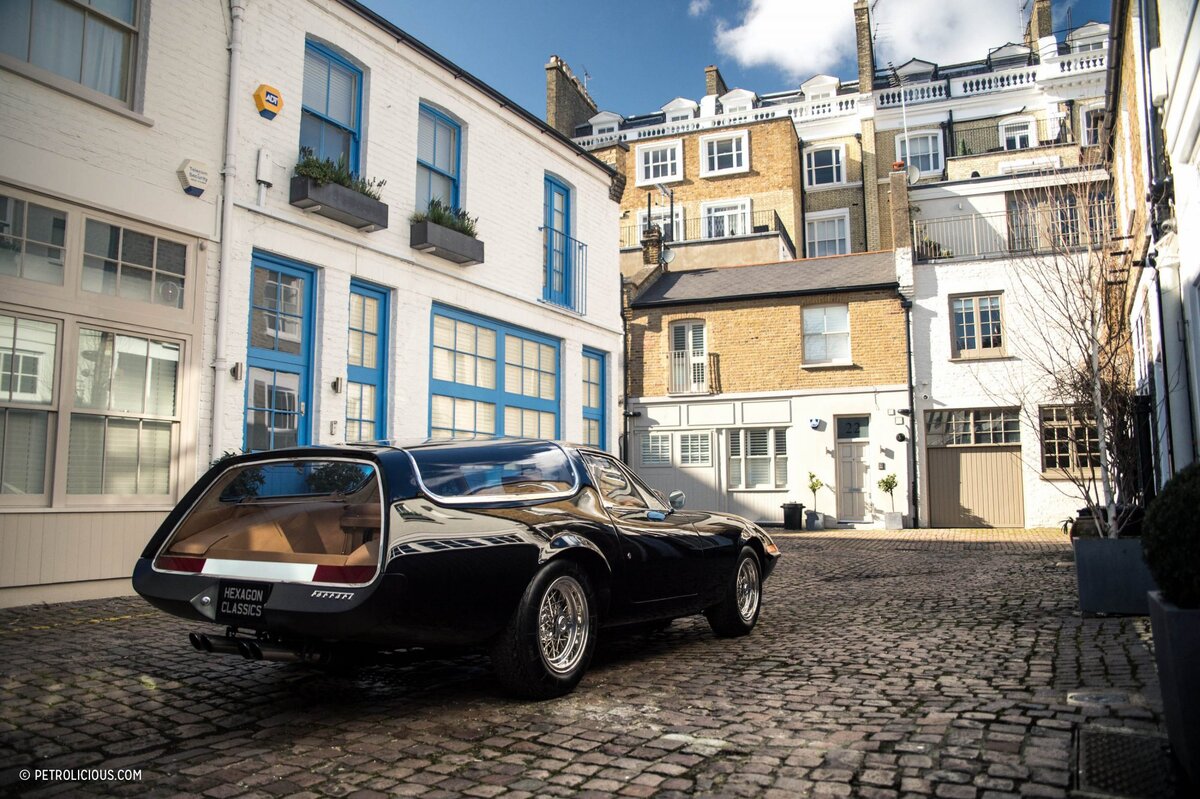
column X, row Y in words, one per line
column 827, row 334
column 127, row 263
column 828, row 235
column 723, row 220
column 437, row 158
column 924, row 150
column 28, row 354
column 594, row 399
column 32, row 238
column 824, row 166
column 695, row 449
column 656, row 449
column 471, row 397
column 618, row 486
column 973, row 426
column 724, row 153
column 122, row 429
column 659, row 163
column 977, row 326
column 1016, row 135
column 366, row 364
column 1069, row 438
column 503, row 468
column 672, row 227
column 93, row 44
column 689, row 358
column 757, row 458
column 329, row 117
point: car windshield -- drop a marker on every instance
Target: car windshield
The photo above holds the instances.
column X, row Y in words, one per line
column 519, row 469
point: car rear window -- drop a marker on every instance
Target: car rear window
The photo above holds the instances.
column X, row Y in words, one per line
column 500, row 470
column 325, row 512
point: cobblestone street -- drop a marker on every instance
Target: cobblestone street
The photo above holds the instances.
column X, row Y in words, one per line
column 885, row 664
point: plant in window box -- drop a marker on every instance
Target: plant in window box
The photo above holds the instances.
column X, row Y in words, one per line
column 1171, row 538
column 446, row 232
column 813, row 519
column 891, row 520
column 331, row 189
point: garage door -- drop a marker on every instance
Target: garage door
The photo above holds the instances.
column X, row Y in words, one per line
column 975, row 487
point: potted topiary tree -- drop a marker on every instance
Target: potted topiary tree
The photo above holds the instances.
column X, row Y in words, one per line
column 892, row 520
column 814, row 519
column 1171, row 540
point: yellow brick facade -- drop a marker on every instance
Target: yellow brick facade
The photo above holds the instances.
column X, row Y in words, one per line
column 772, row 182
column 758, row 344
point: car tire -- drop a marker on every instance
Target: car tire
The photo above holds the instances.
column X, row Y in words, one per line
column 737, row 612
column 548, row 642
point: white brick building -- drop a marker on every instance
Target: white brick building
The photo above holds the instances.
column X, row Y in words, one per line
column 313, row 330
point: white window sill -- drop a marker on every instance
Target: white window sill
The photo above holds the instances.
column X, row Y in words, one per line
column 975, row 358
column 655, row 181
column 689, row 393
column 833, row 186
column 720, row 173
column 757, row 490
column 695, row 466
column 833, row 365
column 560, row 308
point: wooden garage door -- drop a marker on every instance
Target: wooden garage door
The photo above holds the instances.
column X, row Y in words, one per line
column 975, row 487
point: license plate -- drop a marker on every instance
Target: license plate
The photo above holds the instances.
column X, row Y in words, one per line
column 241, row 602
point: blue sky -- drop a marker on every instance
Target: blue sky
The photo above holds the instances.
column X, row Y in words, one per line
column 642, row 53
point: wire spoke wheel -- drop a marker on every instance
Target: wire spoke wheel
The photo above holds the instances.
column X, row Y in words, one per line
column 564, row 625
column 748, row 589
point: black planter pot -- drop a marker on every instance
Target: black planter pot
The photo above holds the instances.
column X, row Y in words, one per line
column 446, row 243
column 1112, row 576
column 1177, row 651
column 338, row 203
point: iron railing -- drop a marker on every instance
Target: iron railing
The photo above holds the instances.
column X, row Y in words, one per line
column 714, row 227
column 1037, row 229
column 997, row 135
column 564, row 270
column 690, row 372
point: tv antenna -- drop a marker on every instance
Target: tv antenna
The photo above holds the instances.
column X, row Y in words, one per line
column 586, row 76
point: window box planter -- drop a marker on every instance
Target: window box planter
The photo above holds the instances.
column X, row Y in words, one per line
column 458, row 248
column 338, row 203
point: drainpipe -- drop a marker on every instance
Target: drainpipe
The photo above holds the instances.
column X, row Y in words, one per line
column 907, row 305
column 237, row 10
column 802, row 251
column 863, row 172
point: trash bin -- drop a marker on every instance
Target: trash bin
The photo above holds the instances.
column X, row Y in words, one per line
column 793, row 515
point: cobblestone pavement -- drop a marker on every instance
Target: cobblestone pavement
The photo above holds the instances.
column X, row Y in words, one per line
column 885, row 664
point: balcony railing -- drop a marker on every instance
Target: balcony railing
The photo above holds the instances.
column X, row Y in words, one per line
column 713, row 227
column 691, row 372
column 1042, row 229
column 978, row 137
column 564, row 270
column 914, row 94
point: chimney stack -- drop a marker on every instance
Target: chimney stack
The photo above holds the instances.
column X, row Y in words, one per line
column 866, row 52
column 568, row 103
column 713, row 82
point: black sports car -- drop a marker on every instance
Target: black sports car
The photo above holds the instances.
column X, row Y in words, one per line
column 527, row 547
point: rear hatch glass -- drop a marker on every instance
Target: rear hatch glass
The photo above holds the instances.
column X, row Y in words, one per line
column 296, row 521
column 501, row 470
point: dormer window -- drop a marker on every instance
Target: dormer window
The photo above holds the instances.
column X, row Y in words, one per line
column 684, row 117
column 603, row 129
column 741, row 108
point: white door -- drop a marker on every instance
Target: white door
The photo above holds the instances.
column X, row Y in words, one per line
column 852, row 432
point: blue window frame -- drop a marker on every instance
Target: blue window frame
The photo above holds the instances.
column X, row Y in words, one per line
column 332, row 105
column 594, row 398
column 279, row 358
column 556, row 232
column 366, row 363
column 489, row 378
column 439, row 146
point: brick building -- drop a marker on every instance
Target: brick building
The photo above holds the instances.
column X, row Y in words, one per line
column 145, row 330
column 987, row 148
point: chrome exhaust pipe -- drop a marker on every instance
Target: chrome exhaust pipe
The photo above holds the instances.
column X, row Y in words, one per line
column 281, row 654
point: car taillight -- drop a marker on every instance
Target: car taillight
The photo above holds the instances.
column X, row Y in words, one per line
column 343, row 574
column 179, row 564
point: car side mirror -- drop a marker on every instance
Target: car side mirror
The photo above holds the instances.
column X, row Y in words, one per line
column 677, row 498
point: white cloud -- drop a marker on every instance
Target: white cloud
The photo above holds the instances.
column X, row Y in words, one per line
column 803, row 38
column 799, row 38
column 698, row 7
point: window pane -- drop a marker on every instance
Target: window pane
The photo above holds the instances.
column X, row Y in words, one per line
column 93, row 369
column 342, row 94
column 447, row 144
column 14, row 33
column 85, row 454
column 28, row 348
column 155, row 458
column 23, row 444
column 46, row 225
column 57, row 43
column 129, row 375
column 426, row 128
column 120, row 9
column 106, row 58
column 120, row 456
column 164, row 371
column 316, row 75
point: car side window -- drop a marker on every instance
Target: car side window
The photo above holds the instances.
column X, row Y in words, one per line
column 617, row 486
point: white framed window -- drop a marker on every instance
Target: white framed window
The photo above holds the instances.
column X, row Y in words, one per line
column 1018, row 133
column 922, row 149
column 825, row 166
column 1091, row 124
column 603, row 129
column 680, row 117
column 660, row 162
column 695, row 449
column 977, row 326
column 725, row 219
column 1070, row 439
column 724, row 154
column 656, row 449
column 737, row 108
column 827, row 233
column 689, row 358
column 971, row 427
column 661, row 216
column 757, row 458
column 1083, row 47
column 827, row 334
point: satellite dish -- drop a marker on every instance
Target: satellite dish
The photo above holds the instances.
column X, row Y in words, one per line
column 668, row 255
column 914, row 173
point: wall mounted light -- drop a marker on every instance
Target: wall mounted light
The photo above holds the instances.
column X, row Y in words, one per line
column 237, row 370
column 338, row 384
